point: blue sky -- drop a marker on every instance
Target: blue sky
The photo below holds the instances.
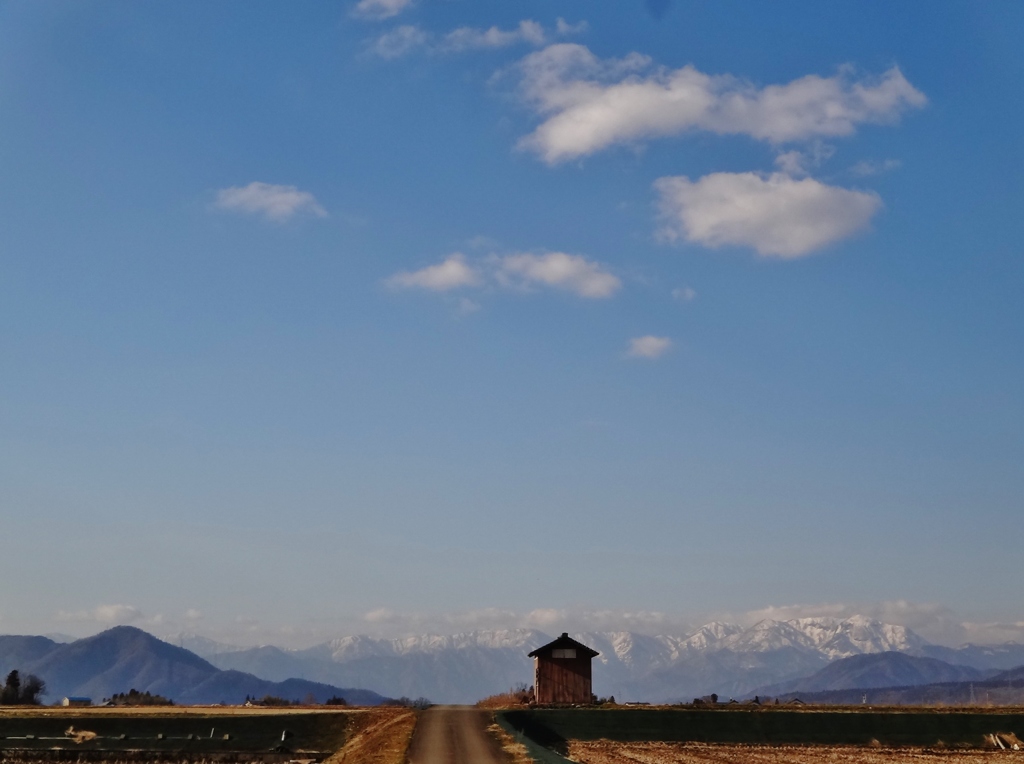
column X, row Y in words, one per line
column 386, row 315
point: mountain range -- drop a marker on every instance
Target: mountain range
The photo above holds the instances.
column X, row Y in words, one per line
column 723, row 658
column 124, row 658
column 775, row 658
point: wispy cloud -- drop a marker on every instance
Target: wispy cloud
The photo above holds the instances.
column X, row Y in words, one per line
column 110, row 615
column 799, row 163
column 649, row 347
column 565, row 29
column 399, row 42
column 469, row 38
column 867, row 167
column 380, row 9
column 776, row 215
column 275, row 203
column 589, row 104
column 407, row 39
column 546, row 619
column 684, row 294
column 521, row 271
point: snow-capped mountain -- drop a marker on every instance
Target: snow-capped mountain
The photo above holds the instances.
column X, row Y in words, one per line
column 718, row 657
column 831, row 637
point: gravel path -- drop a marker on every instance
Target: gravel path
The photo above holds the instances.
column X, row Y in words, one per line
column 454, row 735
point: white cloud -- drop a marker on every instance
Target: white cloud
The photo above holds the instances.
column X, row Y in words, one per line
column 116, row 614
column 380, row 615
column 192, row 614
column 590, row 104
column 993, row 633
column 684, row 294
column 110, row 615
column 400, row 42
column 777, row 215
column 380, row 9
column 276, row 203
column 558, row 270
column 452, row 273
column 468, row 38
column 572, row 273
column 868, row 167
column 649, row 347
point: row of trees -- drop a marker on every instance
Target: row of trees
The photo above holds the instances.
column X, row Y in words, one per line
column 310, row 700
column 22, row 693
column 135, row 698
column 419, row 704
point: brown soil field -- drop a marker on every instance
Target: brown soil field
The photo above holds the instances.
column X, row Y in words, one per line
column 606, row 752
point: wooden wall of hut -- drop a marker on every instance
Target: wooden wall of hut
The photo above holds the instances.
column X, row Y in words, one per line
column 562, row 680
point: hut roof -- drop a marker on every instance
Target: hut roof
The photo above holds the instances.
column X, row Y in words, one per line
column 563, row 642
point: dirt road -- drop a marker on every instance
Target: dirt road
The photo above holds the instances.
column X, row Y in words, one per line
column 454, row 735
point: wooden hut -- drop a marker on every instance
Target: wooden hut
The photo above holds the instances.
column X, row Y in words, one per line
column 561, row 672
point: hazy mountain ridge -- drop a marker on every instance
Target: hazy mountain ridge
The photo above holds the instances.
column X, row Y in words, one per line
column 995, row 657
column 1004, row 688
column 124, row 657
column 876, row 670
column 719, row 657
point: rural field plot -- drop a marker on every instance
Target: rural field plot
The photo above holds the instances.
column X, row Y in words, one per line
column 607, row 752
column 173, row 733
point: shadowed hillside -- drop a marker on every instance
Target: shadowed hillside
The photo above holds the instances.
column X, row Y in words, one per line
column 124, row 657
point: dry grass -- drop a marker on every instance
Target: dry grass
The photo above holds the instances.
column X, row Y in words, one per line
column 517, row 697
column 380, row 736
column 516, row 751
column 606, row 752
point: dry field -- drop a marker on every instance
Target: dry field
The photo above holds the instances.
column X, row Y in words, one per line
column 174, row 733
column 606, row 752
column 29, row 712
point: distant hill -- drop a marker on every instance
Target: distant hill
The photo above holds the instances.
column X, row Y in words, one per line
column 888, row 669
column 21, row 651
column 993, row 657
column 1005, row 688
column 124, row 657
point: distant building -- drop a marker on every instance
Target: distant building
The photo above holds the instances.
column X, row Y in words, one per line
column 76, row 701
column 561, row 672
